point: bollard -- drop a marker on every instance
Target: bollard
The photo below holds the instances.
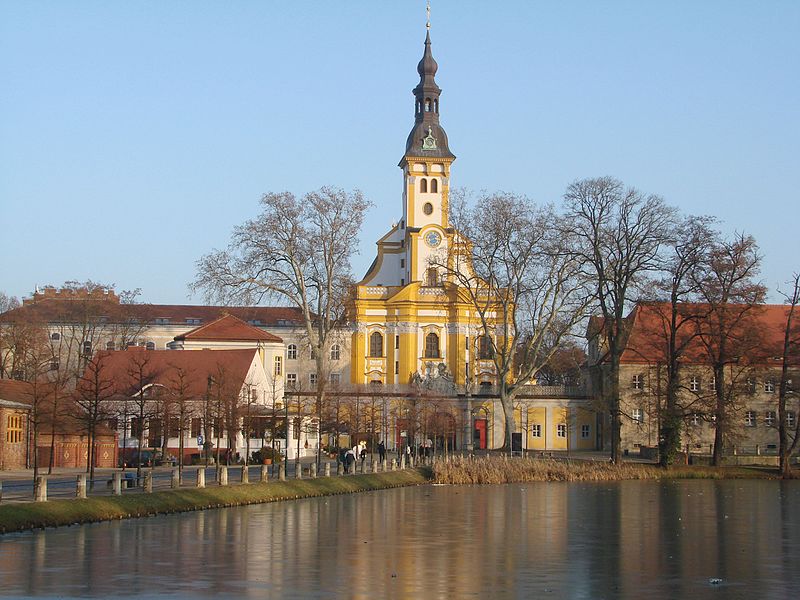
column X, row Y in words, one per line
column 385, row 465
column 201, row 477
column 223, row 475
column 313, row 470
column 40, row 489
column 282, row 472
column 80, row 489
column 148, row 482
column 374, row 466
column 394, row 464
column 298, row 470
column 264, row 473
column 339, row 469
column 176, row 478
column 758, row 449
column 245, row 474
column 117, row 485
column 327, row 469
column 1, row 491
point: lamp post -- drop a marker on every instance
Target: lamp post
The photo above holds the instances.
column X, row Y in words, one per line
column 470, row 427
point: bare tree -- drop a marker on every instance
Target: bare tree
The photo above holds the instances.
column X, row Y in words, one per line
column 179, row 383
column 509, row 262
column 791, row 350
column 728, row 286
column 93, row 396
column 8, row 302
column 617, row 234
column 673, row 331
column 297, row 250
column 141, row 377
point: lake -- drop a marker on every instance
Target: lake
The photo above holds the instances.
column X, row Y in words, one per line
column 635, row 539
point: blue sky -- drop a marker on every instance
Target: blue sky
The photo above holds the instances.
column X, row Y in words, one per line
column 135, row 135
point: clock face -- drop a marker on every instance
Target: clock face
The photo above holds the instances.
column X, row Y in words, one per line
column 433, row 239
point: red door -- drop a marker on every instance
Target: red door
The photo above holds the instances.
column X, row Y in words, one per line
column 479, row 440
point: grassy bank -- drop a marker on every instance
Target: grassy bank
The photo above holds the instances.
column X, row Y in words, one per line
column 19, row 517
column 501, row 469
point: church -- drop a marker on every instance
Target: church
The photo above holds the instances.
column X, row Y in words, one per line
column 410, row 322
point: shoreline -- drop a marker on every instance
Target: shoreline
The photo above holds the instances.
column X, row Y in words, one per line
column 490, row 470
column 64, row 512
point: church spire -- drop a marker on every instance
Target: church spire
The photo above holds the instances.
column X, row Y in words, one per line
column 427, row 138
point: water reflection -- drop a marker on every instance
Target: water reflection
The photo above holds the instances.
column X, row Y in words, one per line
column 559, row 540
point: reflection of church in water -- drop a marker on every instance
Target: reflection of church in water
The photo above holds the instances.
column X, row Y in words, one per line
column 414, row 333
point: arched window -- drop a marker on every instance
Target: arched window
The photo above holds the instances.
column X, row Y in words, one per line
column 436, row 106
column 150, row 346
column 423, row 185
column 376, row 345
column 431, row 277
column 427, row 105
column 55, row 336
column 291, row 352
column 434, row 185
column 431, row 346
column 335, row 352
column 109, row 345
column 484, row 347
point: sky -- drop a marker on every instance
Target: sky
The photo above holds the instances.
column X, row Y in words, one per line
column 135, row 135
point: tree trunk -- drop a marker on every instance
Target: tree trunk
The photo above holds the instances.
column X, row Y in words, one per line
column 720, row 422
column 616, row 434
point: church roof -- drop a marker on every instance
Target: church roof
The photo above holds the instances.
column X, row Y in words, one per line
column 426, row 112
column 229, row 329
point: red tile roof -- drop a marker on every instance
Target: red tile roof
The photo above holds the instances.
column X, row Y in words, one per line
column 55, row 310
column 229, row 328
column 649, row 329
column 163, row 367
column 12, row 390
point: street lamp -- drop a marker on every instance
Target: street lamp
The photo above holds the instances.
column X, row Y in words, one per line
column 470, row 427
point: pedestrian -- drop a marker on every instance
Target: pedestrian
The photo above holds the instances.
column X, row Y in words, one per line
column 381, row 451
column 350, row 460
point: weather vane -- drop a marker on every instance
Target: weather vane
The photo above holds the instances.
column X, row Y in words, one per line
column 428, row 12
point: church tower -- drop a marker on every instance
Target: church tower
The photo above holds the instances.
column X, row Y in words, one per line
column 409, row 321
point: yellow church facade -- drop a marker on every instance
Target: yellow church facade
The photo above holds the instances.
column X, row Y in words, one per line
column 414, row 328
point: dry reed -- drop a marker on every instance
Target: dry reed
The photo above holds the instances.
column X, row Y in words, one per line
column 502, row 469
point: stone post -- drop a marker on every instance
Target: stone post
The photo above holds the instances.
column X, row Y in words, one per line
column 313, row 470
column 117, row 484
column 176, row 478
column 201, row 477
column 245, row 474
column 394, row 464
column 374, row 466
column 298, row 470
column 327, row 469
column 40, row 489
column 339, row 469
column 403, row 462
column 264, row 473
column 282, row 472
column 80, row 488
column 223, row 475
column 1, row 491
column 148, row 482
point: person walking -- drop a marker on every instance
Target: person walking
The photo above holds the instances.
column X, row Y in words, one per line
column 381, row 451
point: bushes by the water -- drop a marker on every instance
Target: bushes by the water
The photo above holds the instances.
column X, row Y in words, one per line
column 502, row 469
